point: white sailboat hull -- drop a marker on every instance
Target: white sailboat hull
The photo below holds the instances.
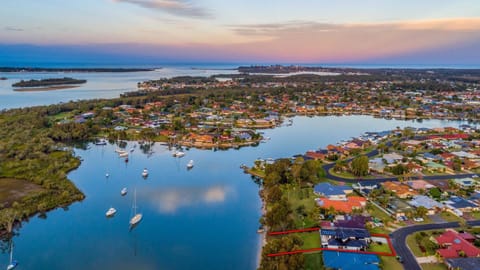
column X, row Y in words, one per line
column 136, row 219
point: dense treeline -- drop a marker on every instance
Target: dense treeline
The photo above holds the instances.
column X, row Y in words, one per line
column 281, row 176
column 29, row 150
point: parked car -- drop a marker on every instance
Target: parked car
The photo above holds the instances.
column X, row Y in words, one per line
column 418, row 219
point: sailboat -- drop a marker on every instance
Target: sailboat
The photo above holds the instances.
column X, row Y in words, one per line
column 136, row 217
column 13, row 263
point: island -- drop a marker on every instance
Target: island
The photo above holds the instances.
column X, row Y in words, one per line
column 40, row 69
column 48, row 82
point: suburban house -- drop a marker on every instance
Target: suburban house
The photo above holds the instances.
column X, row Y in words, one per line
column 402, row 191
column 459, row 205
column 345, row 206
column 345, row 238
column 465, row 182
column 420, row 185
column 431, row 205
column 392, row 158
column 332, row 192
column 454, row 246
column 463, row 263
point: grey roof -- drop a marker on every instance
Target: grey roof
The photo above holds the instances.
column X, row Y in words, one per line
column 464, row 263
column 425, row 201
column 328, row 189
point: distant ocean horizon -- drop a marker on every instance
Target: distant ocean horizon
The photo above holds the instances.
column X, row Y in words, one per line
column 220, row 65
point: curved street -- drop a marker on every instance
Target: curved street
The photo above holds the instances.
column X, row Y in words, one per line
column 399, row 237
column 373, row 153
column 399, row 240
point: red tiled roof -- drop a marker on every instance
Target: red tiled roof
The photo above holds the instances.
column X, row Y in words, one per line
column 454, row 243
column 347, row 206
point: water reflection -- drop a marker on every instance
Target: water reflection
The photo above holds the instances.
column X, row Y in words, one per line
column 170, row 200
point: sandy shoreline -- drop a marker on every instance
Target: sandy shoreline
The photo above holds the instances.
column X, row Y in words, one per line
column 48, row 88
column 263, row 236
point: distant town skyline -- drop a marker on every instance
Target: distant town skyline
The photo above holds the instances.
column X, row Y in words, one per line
column 439, row 32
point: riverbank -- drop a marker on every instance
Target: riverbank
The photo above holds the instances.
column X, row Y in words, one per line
column 41, row 89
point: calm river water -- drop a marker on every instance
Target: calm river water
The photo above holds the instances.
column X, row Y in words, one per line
column 99, row 84
column 204, row 218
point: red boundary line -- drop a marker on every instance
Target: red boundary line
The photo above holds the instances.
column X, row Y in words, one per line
column 389, row 242
column 294, row 231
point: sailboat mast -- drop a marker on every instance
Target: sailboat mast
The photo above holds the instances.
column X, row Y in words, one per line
column 11, row 251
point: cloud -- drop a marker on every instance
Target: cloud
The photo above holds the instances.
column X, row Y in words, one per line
column 307, row 41
column 182, row 8
column 170, row 200
column 14, row 29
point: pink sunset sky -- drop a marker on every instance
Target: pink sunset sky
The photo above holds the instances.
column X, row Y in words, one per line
column 348, row 31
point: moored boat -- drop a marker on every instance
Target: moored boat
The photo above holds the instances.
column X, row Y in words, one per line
column 123, row 192
column 111, row 212
column 145, row 172
column 190, row 164
column 137, row 217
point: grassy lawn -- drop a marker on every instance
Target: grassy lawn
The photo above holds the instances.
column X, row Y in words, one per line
column 449, row 217
column 427, row 244
column 256, row 172
column 314, row 261
column 374, row 211
column 301, row 197
column 381, row 230
column 390, row 263
column 310, row 239
column 374, row 247
column 475, row 215
column 433, row 266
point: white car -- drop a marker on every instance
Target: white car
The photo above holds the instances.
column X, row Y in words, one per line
column 418, row 219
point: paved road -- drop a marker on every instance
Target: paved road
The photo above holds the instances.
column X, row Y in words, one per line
column 329, row 166
column 399, row 238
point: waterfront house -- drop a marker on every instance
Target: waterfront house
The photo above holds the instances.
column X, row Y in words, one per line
column 332, row 192
column 345, row 238
column 347, row 205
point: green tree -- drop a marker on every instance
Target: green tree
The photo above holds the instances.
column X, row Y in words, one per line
column 359, row 166
column 286, row 262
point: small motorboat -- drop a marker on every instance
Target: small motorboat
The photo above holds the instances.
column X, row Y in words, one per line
column 180, row 154
column 101, row 142
column 123, row 192
column 107, row 175
column 123, row 154
column 145, row 173
column 190, row 164
column 111, row 212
